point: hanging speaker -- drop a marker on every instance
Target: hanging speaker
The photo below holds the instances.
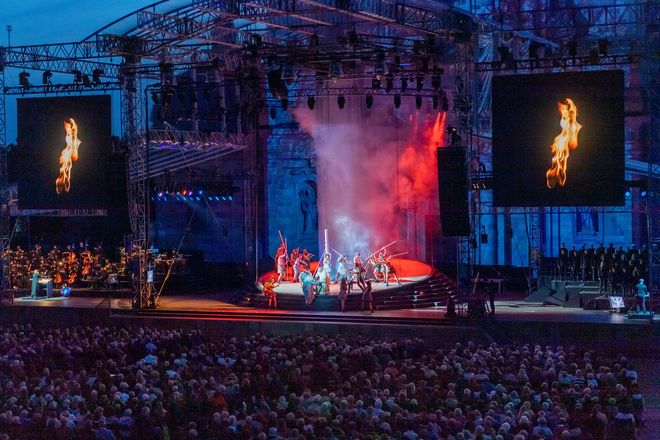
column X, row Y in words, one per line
column 452, row 185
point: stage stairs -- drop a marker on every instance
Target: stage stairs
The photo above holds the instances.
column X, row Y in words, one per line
column 431, row 292
column 571, row 294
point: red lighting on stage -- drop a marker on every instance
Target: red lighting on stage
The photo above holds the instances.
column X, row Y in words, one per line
column 564, row 142
column 418, row 177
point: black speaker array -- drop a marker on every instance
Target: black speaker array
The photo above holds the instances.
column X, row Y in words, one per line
column 452, row 184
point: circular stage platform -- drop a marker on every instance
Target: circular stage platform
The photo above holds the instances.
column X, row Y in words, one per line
column 421, row 286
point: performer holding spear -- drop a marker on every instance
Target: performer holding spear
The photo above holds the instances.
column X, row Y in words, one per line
column 282, row 259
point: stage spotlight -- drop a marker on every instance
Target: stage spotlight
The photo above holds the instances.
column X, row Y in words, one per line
column 23, row 79
column 643, row 194
column 506, row 57
column 404, row 84
column 436, row 79
column 445, row 103
column 534, row 50
column 455, row 138
column 77, row 76
column 370, row 101
column 418, row 102
column 397, row 101
column 603, row 44
column 375, row 83
column 273, row 113
column 45, row 78
column 311, row 102
column 341, row 102
column 96, row 76
column 389, row 83
column 420, row 82
column 534, row 54
column 572, row 48
column 628, row 193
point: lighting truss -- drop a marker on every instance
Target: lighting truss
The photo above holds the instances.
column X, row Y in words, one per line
column 61, row 88
column 558, row 63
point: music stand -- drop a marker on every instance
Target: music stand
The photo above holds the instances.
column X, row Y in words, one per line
column 616, row 304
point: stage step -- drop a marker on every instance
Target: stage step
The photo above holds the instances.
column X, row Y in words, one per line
column 436, row 291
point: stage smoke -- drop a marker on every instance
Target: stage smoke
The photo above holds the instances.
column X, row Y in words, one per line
column 375, row 170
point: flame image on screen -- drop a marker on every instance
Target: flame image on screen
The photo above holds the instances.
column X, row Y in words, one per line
column 564, row 142
column 68, row 156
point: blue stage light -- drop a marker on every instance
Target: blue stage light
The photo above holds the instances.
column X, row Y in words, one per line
column 230, row 198
column 217, row 199
column 200, row 192
column 224, row 198
column 197, row 198
column 643, row 194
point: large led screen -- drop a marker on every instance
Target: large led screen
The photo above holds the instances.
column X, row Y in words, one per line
column 65, row 153
column 558, row 139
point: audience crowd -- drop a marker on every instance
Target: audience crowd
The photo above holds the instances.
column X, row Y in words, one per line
column 118, row 383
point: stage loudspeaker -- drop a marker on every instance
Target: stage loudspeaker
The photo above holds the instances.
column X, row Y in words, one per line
column 452, row 186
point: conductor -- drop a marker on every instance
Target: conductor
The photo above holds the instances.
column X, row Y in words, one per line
column 642, row 295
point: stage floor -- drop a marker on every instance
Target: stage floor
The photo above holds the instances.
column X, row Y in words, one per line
column 409, row 272
column 220, row 303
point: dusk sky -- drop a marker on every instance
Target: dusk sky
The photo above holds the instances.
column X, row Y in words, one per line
column 57, row 21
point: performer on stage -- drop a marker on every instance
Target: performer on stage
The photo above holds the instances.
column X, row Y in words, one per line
column 323, row 275
column 379, row 263
column 297, row 267
column 292, row 260
column 357, row 274
column 367, row 297
column 574, row 263
column 357, row 261
column 327, row 262
column 390, row 270
column 35, row 284
column 308, row 286
column 562, row 261
column 281, row 266
column 269, row 292
column 342, row 268
column 343, row 293
column 307, row 258
column 280, row 250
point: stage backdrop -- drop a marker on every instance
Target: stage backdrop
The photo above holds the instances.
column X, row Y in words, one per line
column 558, row 139
column 64, row 154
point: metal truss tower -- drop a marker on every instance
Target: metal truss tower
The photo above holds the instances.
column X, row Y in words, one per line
column 651, row 82
column 132, row 125
column 4, row 190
